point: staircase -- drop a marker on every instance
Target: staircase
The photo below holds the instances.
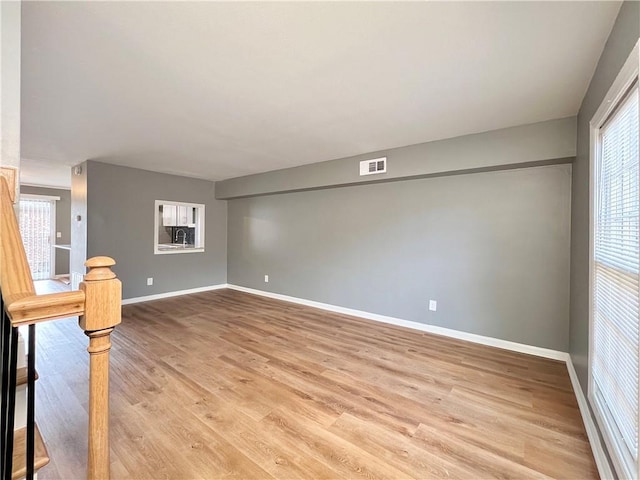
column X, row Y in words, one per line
column 19, row 464
column 97, row 303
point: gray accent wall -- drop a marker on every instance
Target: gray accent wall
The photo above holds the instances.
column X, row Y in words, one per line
column 623, row 37
column 120, row 224
column 492, row 248
column 543, row 143
column 63, row 221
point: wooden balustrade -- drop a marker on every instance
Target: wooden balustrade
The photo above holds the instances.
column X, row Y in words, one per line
column 97, row 303
column 102, row 313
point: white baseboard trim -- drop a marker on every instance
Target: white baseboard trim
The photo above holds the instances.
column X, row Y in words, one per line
column 158, row 296
column 600, row 456
column 447, row 332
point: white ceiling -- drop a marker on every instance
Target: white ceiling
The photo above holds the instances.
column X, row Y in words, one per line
column 219, row 90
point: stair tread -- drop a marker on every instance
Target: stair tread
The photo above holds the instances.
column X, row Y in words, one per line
column 19, row 453
column 21, row 378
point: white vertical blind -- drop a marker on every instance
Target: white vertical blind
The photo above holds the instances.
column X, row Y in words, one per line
column 616, row 281
column 35, row 228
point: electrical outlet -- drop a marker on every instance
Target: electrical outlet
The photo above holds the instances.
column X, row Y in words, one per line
column 58, row 234
column 149, row 281
column 266, row 279
column 433, row 305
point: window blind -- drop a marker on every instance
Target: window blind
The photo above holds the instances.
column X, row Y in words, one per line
column 616, row 282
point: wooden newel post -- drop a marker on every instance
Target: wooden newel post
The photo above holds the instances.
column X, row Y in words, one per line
column 103, row 300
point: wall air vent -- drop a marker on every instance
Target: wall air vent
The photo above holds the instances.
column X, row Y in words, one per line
column 371, row 167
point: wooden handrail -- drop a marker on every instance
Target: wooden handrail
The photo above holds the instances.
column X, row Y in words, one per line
column 15, row 275
column 18, row 293
column 98, row 305
column 38, row 308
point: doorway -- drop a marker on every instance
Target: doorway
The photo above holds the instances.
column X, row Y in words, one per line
column 37, row 227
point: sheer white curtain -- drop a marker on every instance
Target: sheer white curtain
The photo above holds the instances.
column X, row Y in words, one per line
column 36, row 218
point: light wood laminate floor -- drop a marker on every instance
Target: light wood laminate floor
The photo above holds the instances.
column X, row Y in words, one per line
column 224, row 384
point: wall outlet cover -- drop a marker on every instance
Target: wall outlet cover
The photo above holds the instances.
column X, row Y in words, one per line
column 149, row 281
column 266, row 279
column 433, row 305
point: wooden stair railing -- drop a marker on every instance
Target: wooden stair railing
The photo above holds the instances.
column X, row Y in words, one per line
column 97, row 303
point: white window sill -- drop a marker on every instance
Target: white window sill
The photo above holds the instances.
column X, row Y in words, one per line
column 171, row 249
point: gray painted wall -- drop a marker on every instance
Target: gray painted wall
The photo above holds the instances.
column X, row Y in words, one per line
column 78, row 221
column 120, row 220
column 491, row 248
column 548, row 142
column 63, row 221
column 623, row 38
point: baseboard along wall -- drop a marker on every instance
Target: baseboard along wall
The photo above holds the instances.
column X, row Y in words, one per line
column 470, row 337
column 599, row 454
column 177, row 293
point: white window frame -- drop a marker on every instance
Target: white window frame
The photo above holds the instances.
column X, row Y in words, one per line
column 199, row 228
column 627, row 76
